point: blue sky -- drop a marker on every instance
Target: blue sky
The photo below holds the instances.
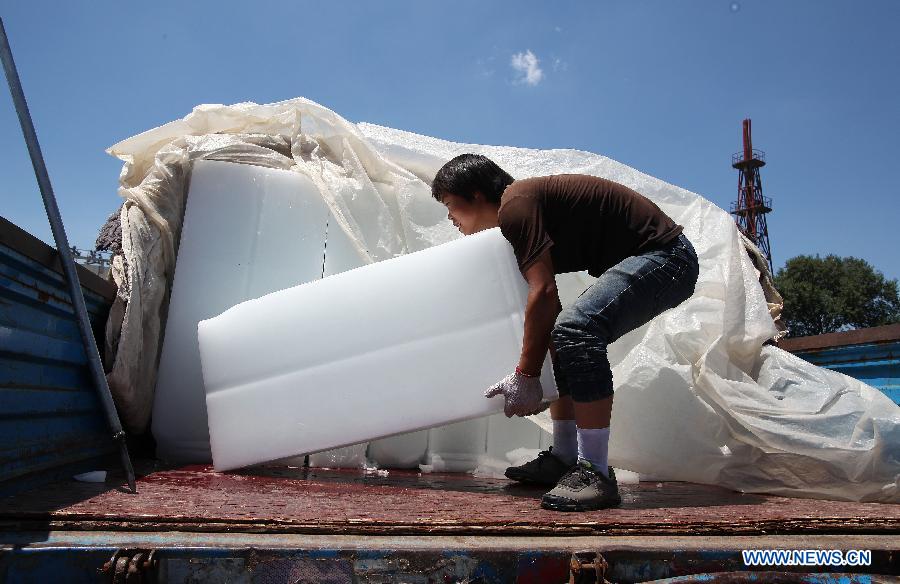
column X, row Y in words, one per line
column 660, row 86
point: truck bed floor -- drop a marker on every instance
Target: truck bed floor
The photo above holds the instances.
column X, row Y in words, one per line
column 346, row 502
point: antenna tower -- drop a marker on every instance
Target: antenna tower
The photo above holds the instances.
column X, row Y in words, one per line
column 751, row 207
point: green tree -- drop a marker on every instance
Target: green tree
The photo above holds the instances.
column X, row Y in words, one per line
column 823, row 295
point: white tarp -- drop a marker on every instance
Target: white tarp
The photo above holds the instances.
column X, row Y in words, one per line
column 698, row 396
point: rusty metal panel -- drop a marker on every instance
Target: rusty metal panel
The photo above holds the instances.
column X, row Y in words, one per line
column 223, row 557
column 866, row 336
column 49, row 413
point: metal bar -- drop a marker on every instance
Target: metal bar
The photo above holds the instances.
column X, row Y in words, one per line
column 65, row 253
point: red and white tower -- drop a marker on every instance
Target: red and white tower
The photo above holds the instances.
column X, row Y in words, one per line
column 751, row 207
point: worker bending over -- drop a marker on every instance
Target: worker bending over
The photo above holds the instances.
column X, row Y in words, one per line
column 567, row 223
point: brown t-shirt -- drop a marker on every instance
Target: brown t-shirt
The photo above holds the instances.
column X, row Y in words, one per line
column 588, row 223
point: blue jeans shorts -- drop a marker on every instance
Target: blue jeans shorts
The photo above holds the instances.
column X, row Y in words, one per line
column 622, row 299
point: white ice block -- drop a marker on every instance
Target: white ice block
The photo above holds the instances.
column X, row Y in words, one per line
column 393, row 347
column 353, row 456
column 458, row 446
column 247, row 231
column 401, row 451
column 546, row 439
column 340, row 253
column 461, row 447
column 506, row 434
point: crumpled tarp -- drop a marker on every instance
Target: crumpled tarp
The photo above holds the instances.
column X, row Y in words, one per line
column 699, row 397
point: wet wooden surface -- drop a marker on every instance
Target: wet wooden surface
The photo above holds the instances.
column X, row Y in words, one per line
column 318, row 501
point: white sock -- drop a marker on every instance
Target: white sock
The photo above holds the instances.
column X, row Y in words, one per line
column 593, row 446
column 565, row 440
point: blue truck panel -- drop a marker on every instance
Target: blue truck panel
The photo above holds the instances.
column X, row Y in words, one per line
column 877, row 365
column 50, row 416
column 251, row 558
column 870, row 355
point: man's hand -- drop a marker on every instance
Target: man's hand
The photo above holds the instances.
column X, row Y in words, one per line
column 523, row 394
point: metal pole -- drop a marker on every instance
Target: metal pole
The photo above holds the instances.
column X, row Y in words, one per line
column 65, row 255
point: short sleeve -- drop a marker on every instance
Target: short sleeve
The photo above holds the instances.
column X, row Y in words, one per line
column 521, row 221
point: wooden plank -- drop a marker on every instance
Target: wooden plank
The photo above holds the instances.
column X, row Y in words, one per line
column 320, row 501
column 879, row 334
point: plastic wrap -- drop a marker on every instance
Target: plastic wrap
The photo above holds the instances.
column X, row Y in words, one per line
column 698, row 395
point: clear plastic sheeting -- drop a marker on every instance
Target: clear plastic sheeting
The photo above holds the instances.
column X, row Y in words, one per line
column 383, row 208
column 698, row 395
column 154, row 183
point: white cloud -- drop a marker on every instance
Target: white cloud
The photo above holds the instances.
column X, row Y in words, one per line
column 527, row 68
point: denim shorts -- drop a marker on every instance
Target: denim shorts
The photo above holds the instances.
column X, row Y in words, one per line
column 622, row 299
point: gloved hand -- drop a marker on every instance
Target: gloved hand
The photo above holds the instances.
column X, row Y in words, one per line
column 523, row 394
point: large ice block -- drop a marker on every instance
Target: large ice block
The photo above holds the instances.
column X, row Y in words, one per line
column 400, row 451
column 458, row 447
column 506, row 434
column 461, row 447
column 247, row 231
column 401, row 345
column 353, row 456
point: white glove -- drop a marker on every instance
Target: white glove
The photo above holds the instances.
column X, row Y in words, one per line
column 523, row 394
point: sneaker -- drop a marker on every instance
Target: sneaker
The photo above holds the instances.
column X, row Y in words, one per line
column 584, row 488
column 546, row 469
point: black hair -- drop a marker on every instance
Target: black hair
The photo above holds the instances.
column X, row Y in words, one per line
column 468, row 173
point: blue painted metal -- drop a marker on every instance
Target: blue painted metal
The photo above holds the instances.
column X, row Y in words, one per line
column 771, row 578
column 72, row 565
column 876, row 364
column 242, row 561
column 50, row 416
column 67, row 260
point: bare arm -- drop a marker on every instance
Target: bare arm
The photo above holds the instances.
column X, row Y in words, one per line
column 541, row 311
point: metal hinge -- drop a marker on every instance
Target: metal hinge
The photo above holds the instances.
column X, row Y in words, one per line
column 587, row 568
column 131, row 567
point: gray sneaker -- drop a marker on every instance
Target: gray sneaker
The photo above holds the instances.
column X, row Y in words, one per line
column 583, row 488
column 546, row 469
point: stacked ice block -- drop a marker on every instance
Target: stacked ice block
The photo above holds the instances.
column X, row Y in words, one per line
column 401, row 345
column 247, row 231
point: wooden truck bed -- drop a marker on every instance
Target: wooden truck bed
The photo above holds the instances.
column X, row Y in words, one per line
column 320, row 501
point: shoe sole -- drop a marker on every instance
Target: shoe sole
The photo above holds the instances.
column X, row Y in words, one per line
column 567, row 505
column 526, row 478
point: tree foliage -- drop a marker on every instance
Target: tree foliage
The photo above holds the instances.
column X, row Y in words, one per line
column 823, row 295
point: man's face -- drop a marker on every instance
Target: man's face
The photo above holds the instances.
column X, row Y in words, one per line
column 462, row 213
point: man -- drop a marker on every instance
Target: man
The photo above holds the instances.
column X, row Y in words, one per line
column 568, row 223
